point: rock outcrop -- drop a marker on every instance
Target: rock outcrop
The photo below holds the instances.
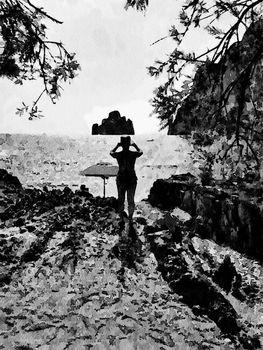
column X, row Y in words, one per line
column 8, row 180
column 115, row 124
column 231, row 216
column 192, row 272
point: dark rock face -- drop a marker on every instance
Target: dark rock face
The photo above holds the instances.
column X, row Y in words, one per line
column 115, row 124
column 225, row 274
column 202, row 101
column 95, row 129
column 222, row 215
column 8, row 180
column 195, row 287
column 167, row 193
column 192, row 273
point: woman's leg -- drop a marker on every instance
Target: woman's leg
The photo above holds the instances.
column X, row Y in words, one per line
column 121, row 197
column 130, row 197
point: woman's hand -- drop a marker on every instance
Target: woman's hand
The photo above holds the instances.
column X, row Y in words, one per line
column 133, row 144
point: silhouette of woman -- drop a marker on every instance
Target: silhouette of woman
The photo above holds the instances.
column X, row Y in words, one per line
column 126, row 178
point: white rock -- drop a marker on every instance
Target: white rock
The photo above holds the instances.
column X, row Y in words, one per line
column 181, row 214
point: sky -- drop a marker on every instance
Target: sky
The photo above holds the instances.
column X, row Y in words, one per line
column 113, row 47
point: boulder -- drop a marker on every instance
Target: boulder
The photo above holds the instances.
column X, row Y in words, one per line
column 115, row 124
column 180, row 215
column 83, row 192
column 228, row 215
column 8, row 180
column 169, row 193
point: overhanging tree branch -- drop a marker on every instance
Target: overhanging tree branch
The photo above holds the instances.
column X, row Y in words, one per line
column 42, row 12
column 28, row 54
column 221, row 60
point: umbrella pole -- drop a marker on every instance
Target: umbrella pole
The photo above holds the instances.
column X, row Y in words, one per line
column 104, row 185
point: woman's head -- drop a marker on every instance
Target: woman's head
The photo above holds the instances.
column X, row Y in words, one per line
column 125, row 142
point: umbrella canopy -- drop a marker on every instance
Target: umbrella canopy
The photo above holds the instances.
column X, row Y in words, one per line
column 101, row 170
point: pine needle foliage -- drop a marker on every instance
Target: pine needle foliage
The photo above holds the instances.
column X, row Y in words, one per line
column 28, row 54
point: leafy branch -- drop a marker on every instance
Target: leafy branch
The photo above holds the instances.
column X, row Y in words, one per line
column 28, row 54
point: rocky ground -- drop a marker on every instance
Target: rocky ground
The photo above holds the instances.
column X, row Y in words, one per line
column 71, row 279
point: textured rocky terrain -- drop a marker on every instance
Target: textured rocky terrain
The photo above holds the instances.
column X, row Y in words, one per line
column 71, row 279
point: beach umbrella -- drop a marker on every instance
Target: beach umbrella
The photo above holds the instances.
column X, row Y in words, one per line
column 103, row 170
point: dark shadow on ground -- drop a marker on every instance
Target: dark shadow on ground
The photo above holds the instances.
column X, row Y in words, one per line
column 129, row 249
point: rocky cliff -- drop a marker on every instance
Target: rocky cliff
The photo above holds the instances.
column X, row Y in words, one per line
column 201, row 109
column 115, row 124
